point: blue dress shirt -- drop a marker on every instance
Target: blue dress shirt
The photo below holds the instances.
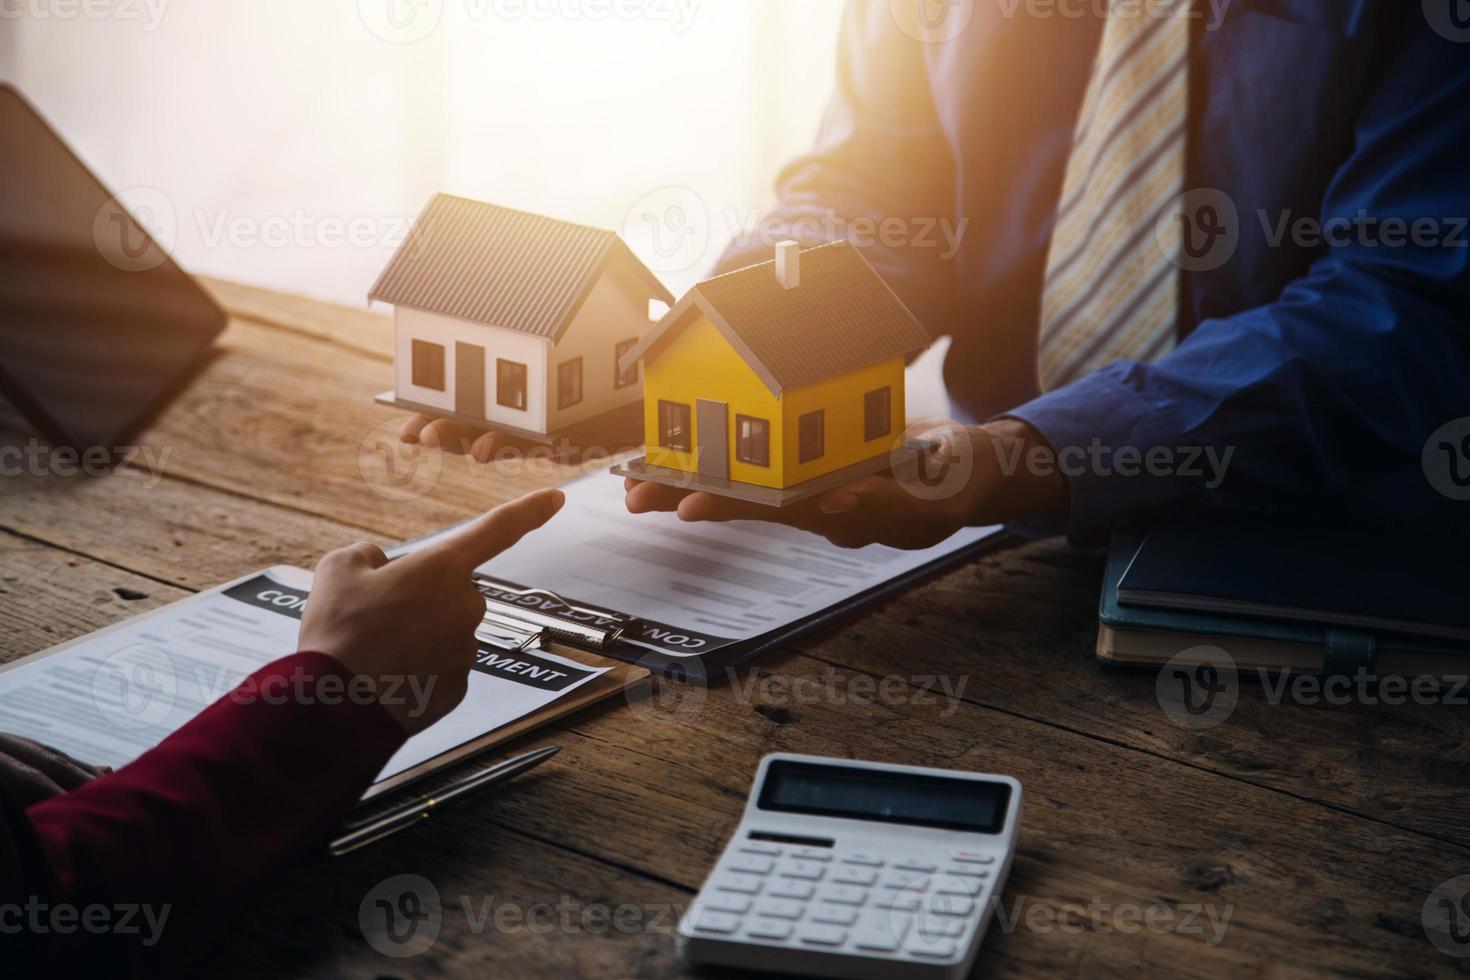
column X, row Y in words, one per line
column 1325, row 317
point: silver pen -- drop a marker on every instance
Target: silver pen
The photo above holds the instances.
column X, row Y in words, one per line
column 412, row 811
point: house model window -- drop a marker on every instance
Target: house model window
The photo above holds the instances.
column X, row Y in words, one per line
column 877, row 414
column 428, row 365
column 569, row 383
column 673, row 426
column 752, row 440
column 624, row 377
column 510, row 384
column 811, row 436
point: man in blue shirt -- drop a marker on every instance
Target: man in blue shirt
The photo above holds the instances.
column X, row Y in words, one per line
column 1212, row 252
column 1318, row 332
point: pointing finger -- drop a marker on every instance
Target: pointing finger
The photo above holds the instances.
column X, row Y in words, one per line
column 491, row 533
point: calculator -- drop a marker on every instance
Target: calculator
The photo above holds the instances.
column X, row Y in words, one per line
column 842, row 868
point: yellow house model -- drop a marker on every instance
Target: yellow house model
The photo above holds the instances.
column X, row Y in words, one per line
column 777, row 382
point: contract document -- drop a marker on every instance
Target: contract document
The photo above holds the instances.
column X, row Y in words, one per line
column 108, row 697
column 713, row 593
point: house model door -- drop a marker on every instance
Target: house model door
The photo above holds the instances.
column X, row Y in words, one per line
column 713, row 429
column 469, row 380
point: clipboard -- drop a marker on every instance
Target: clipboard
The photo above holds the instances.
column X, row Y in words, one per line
column 449, row 767
column 283, row 590
column 605, row 632
column 690, row 601
column 518, row 629
column 514, row 628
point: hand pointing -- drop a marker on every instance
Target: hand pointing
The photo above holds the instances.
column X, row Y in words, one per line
column 409, row 625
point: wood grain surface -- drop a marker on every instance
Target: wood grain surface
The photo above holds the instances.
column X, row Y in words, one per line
column 1290, row 839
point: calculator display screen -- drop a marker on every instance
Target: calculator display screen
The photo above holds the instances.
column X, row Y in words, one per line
column 887, row 797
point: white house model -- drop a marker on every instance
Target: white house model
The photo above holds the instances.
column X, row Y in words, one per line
column 513, row 320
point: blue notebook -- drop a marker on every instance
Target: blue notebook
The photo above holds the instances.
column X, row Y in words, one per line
column 1282, row 598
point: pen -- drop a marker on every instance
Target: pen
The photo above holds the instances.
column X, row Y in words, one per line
column 412, row 811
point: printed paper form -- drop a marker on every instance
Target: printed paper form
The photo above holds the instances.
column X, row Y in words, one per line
column 725, row 582
column 110, row 696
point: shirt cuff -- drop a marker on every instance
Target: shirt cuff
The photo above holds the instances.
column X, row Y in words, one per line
column 1116, row 447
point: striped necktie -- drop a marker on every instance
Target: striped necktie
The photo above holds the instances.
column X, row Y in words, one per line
column 1111, row 290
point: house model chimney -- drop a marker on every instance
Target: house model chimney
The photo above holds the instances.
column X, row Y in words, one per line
column 788, row 264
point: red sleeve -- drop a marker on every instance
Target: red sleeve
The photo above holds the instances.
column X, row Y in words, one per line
column 193, row 825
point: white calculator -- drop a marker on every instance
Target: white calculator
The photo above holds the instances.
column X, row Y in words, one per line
column 857, row 869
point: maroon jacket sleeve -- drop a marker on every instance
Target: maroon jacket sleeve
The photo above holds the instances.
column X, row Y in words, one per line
column 190, row 827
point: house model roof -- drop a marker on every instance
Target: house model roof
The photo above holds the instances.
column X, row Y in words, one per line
column 842, row 316
column 502, row 267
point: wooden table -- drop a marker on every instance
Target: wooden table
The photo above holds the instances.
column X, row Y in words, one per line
column 1320, row 831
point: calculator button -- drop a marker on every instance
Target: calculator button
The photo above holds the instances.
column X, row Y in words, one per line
column 915, row 864
column 936, row 927
column 817, row 935
column 736, row 882
column 791, row 889
column 905, row 879
column 780, row 908
column 967, row 871
column 902, row 901
column 760, row 847
column 939, row 949
column 844, row 895
column 855, row 876
column 769, row 929
column 811, row 854
column 836, row 915
column 877, row 942
column 716, row 922
column 858, row 857
column 806, row 870
column 881, row 931
column 959, row 886
column 727, row 902
column 973, row 857
column 948, row 905
column 751, row 864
